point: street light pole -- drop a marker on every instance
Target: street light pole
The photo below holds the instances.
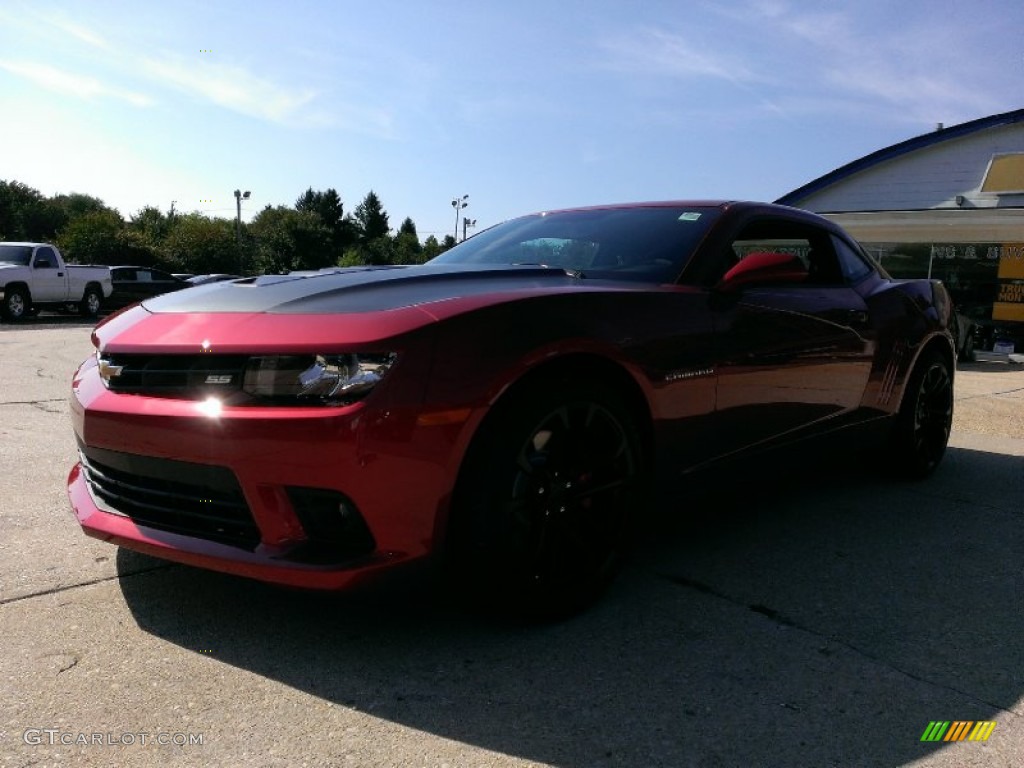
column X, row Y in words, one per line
column 458, row 204
column 239, row 197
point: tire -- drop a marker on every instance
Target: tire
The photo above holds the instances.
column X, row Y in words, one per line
column 921, row 431
column 16, row 304
column 544, row 500
column 967, row 351
column 91, row 301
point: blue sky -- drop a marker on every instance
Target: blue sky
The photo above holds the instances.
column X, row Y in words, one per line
column 523, row 106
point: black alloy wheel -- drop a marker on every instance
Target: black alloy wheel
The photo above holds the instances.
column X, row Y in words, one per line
column 922, row 428
column 546, row 499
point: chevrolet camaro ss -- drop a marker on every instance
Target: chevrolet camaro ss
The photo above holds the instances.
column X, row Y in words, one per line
column 503, row 407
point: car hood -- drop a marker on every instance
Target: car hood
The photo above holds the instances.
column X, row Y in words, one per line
column 362, row 289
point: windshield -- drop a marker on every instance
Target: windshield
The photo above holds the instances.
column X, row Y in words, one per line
column 644, row 243
column 15, row 254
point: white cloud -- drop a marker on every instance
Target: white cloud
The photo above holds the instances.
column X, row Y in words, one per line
column 84, row 34
column 71, row 84
column 801, row 58
column 237, row 89
column 230, row 87
column 921, row 96
column 654, row 51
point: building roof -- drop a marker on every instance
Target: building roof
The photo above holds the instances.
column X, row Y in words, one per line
column 896, row 150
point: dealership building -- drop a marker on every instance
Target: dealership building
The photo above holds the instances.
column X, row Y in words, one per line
column 948, row 204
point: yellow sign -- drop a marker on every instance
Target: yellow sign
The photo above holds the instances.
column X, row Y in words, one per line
column 1011, row 261
column 1009, row 304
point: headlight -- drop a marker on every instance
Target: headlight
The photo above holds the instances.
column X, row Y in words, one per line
column 338, row 378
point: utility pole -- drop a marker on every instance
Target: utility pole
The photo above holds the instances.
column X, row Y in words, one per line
column 239, row 197
column 458, row 204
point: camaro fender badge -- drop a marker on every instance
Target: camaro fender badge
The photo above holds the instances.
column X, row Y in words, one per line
column 680, row 375
column 218, row 378
column 109, row 371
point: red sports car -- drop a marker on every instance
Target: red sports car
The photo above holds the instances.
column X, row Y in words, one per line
column 504, row 405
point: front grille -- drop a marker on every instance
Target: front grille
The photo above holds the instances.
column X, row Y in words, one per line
column 180, row 497
column 187, row 376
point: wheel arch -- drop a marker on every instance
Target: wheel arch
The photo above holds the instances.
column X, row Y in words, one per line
column 939, row 343
column 19, row 285
column 599, row 368
column 569, row 365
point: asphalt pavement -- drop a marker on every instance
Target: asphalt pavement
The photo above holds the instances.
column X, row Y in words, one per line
column 817, row 619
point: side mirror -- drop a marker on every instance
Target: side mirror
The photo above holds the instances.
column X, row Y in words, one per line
column 764, row 267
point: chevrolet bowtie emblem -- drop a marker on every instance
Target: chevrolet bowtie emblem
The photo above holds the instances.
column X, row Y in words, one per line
column 109, row 371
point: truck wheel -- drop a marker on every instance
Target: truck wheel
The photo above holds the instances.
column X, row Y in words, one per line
column 90, row 304
column 16, row 304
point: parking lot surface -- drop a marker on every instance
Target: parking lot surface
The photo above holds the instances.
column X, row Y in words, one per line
column 822, row 619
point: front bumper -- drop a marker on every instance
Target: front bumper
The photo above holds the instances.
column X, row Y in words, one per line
column 316, row 497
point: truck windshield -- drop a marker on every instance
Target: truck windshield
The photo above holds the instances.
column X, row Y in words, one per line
column 15, row 254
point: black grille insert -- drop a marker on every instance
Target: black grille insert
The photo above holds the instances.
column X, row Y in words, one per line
column 180, row 497
column 188, row 376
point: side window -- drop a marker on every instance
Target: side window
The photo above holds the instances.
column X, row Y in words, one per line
column 852, row 264
column 810, row 248
column 144, row 276
column 45, row 259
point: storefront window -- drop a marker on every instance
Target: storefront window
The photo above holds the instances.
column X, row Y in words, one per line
column 986, row 280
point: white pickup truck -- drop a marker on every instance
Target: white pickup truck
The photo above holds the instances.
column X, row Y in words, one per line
column 34, row 276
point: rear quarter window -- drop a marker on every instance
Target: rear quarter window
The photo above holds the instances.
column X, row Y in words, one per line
column 853, row 265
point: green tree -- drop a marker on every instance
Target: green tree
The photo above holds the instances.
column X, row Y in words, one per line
column 328, row 206
column 380, row 250
column 407, row 248
column 92, row 238
column 371, row 219
column 408, row 227
column 287, row 239
column 151, row 224
column 198, row 244
column 431, row 248
column 77, row 204
column 26, row 215
column 353, row 257
column 133, row 248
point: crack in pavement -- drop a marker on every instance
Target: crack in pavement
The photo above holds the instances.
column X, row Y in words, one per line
column 787, row 621
column 74, row 663
column 34, row 402
column 989, row 394
column 61, row 588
